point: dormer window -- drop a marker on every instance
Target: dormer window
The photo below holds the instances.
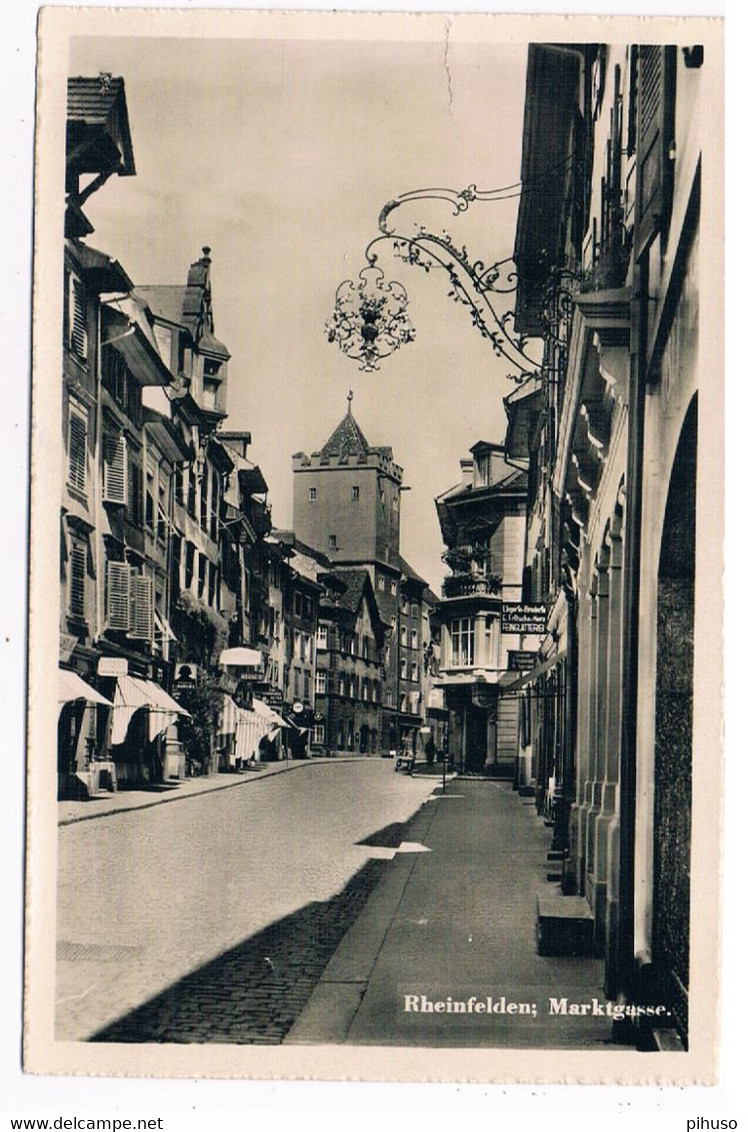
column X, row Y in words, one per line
column 483, row 471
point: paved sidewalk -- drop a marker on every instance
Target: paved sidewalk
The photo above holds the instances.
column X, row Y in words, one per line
column 456, row 922
column 104, row 805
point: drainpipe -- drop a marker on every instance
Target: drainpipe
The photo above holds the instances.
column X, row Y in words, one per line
column 624, row 979
column 98, row 506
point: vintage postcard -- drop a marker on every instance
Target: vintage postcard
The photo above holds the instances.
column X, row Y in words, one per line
column 376, row 547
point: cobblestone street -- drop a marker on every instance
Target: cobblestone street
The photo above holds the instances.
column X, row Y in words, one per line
column 238, row 897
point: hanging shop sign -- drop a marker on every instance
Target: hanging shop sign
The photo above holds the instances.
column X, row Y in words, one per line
column 112, row 666
column 517, row 617
column 273, row 697
column 521, row 661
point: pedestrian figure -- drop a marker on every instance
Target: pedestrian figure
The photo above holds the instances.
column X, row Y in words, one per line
column 430, row 751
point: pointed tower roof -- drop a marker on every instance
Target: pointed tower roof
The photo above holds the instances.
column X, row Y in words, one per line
column 347, row 439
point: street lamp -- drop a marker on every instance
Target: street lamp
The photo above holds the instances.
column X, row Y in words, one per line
column 370, row 322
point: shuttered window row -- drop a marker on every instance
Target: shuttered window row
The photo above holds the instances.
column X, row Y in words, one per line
column 78, row 334
column 77, row 437
column 115, row 469
column 655, row 89
column 130, row 603
column 77, row 581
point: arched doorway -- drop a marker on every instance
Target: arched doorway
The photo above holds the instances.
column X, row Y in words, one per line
column 674, row 731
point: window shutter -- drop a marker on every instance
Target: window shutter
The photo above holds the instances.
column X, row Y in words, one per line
column 77, row 592
column 77, row 432
column 115, row 470
column 142, row 607
column 655, row 132
column 118, row 595
column 77, row 319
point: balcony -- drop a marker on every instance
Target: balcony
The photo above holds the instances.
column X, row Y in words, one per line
column 470, row 585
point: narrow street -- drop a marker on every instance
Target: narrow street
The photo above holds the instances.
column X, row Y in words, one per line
column 150, row 897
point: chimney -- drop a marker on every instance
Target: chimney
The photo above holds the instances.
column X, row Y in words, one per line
column 466, row 467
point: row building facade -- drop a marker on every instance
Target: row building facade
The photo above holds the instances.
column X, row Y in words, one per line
column 608, row 266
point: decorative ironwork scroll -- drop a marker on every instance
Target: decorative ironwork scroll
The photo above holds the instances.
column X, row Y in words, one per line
column 367, row 330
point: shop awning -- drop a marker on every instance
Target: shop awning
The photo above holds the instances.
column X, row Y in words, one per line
column 532, row 676
column 133, row 693
column 267, row 713
column 72, row 687
column 241, row 657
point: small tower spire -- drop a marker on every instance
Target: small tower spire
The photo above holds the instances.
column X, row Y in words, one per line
column 349, row 399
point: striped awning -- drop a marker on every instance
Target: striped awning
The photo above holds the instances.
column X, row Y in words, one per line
column 133, row 693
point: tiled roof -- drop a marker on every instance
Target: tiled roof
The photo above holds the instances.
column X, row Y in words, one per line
column 405, row 568
column 347, row 439
column 92, row 98
column 166, row 301
column 96, row 108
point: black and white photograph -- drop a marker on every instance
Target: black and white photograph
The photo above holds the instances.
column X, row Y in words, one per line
column 376, row 547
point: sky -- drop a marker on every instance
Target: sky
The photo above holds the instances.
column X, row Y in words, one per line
column 278, row 155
